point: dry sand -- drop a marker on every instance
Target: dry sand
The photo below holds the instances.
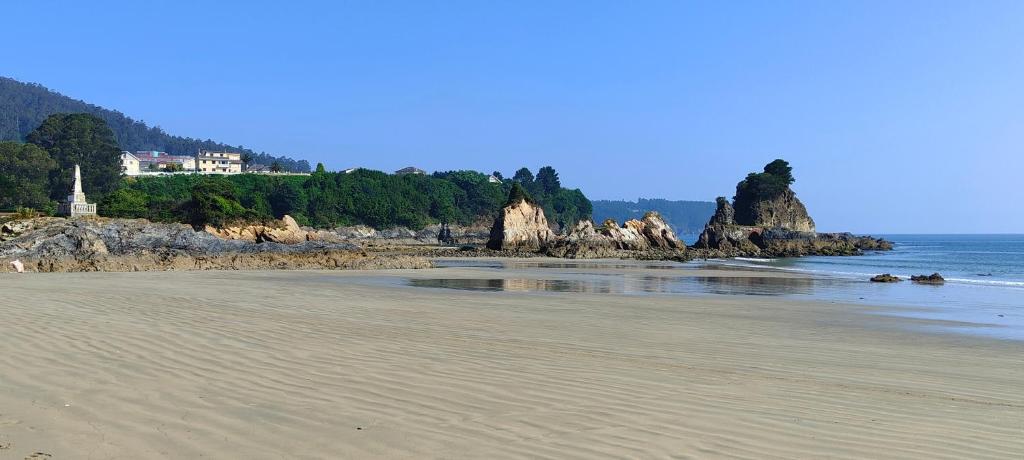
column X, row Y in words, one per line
column 339, row 365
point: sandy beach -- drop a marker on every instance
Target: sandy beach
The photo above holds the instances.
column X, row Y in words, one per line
column 355, row 364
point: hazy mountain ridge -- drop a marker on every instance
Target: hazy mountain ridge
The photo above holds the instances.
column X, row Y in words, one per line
column 685, row 217
column 23, row 106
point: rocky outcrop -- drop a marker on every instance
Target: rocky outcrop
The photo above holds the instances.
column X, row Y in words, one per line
column 287, row 231
column 724, row 213
column 648, row 238
column 98, row 244
column 520, row 225
column 885, row 278
column 781, row 211
column 659, row 235
column 934, row 278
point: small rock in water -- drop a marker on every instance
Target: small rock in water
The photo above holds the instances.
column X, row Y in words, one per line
column 934, row 278
column 885, row 278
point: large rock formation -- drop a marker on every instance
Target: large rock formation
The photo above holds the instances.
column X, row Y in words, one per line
column 648, row 238
column 97, row 244
column 768, row 220
column 781, row 211
column 520, row 225
column 659, row 235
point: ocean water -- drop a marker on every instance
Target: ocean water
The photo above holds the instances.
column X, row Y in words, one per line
column 983, row 293
column 984, row 279
column 978, row 259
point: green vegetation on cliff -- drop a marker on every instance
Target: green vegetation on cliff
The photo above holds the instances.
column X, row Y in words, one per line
column 760, row 187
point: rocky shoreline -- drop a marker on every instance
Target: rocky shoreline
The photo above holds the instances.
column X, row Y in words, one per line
column 98, row 244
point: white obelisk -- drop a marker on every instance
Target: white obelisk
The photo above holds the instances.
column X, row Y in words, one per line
column 77, row 196
column 76, row 204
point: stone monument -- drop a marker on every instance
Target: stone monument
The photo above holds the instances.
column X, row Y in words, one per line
column 76, row 205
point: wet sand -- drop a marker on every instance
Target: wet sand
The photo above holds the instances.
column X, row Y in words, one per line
column 357, row 365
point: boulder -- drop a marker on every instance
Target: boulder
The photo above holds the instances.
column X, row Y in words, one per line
column 287, row 231
column 885, row 278
column 659, row 235
column 934, row 278
column 520, row 225
column 628, row 237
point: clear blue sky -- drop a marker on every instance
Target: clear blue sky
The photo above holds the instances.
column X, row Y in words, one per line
column 897, row 116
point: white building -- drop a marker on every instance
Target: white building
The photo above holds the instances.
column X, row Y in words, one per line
column 411, row 170
column 219, row 162
column 130, row 165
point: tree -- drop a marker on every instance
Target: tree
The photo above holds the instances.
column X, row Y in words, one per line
column 518, row 194
column 548, row 182
column 173, row 167
column 757, row 187
column 523, row 176
column 81, row 139
column 286, row 198
column 213, row 202
column 781, row 170
column 320, row 168
column 127, row 203
column 275, row 167
column 24, row 171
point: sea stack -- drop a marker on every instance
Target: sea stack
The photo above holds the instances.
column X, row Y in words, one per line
column 766, row 219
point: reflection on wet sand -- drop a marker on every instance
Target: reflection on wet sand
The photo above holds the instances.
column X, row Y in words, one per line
column 739, row 285
column 521, row 264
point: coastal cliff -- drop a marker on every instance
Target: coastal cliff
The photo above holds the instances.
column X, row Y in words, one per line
column 766, row 219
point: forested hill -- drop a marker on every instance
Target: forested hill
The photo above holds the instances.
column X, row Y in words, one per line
column 685, row 217
column 23, row 106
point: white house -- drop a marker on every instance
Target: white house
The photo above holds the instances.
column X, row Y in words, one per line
column 219, row 162
column 130, row 164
